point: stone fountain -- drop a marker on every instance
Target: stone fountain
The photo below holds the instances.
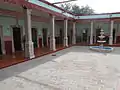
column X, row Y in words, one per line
column 101, row 47
column 101, row 41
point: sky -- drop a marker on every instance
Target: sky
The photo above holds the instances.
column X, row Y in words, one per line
column 100, row 6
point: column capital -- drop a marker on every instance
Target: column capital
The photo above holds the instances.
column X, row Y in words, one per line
column 65, row 19
column 91, row 21
column 74, row 21
column 51, row 15
column 28, row 11
column 24, row 7
column 112, row 21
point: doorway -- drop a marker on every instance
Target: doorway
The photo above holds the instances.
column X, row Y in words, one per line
column 70, row 36
column 85, row 35
column 44, row 32
column 61, row 36
column 0, row 47
column 17, row 39
column 1, row 40
column 114, row 32
column 34, row 37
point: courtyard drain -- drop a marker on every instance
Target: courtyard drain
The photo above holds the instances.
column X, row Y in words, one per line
column 53, row 54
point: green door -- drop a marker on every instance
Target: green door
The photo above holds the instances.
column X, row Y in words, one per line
column 34, row 37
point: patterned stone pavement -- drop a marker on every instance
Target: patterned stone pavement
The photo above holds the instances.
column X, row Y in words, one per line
column 75, row 68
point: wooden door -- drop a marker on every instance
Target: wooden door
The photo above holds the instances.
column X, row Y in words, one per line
column 34, row 37
column 17, row 39
column 44, row 32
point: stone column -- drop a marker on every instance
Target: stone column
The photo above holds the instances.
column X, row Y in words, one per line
column 91, row 33
column 2, row 41
column 74, row 33
column 52, row 34
column 111, row 32
column 65, row 33
column 29, row 49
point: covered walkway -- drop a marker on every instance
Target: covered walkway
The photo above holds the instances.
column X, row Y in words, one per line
column 18, row 57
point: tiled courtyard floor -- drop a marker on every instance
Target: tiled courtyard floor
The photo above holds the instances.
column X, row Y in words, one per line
column 75, row 68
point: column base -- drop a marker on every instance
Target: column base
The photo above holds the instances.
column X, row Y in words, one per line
column 52, row 44
column 91, row 41
column 29, row 50
column 4, row 52
column 74, row 41
column 110, row 40
column 65, row 41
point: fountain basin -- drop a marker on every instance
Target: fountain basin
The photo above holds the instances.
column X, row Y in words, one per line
column 101, row 48
column 101, row 41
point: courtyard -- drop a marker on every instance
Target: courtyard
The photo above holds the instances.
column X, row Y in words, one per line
column 74, row 68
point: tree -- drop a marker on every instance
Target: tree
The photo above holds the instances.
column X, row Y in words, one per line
column 86, row 10
column 66, row 7
column 76, row 9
